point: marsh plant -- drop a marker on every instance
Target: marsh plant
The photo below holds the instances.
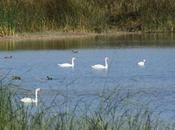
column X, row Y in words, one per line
column 86, row 15
column 111, row 110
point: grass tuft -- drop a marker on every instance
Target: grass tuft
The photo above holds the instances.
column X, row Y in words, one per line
column 86, row 15
column 112, row 113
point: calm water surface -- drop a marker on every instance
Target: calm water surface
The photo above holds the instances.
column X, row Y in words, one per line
column 34, row 61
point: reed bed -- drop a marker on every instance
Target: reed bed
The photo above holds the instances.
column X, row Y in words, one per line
column 113, row 112
column 86, row 15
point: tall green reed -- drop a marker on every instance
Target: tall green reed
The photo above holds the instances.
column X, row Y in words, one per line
column 113, row 111
column 86, row 15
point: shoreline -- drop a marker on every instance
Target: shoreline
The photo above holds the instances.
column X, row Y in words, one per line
column 53, row 35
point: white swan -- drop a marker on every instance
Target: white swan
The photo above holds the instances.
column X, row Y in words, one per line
column 141, row 63
column 99, row 66
column 30, row 100
column 67, row 65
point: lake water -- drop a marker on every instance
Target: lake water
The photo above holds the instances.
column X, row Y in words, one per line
column 33, row 61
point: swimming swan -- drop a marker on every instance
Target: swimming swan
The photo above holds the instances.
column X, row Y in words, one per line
column 67, row 65
column 99, row 66
column 30, row 100
column 141, row 63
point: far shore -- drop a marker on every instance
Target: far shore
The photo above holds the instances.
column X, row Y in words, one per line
column 50, row 35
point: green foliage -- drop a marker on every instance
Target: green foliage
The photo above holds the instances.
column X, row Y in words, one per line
column 86, row 15
column 40, row 15
column 109, row 115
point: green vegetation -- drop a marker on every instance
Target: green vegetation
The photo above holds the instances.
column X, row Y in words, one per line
column 109, row 115
column 86, row 15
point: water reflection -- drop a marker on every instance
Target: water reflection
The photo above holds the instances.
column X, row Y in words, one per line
column 129, row 40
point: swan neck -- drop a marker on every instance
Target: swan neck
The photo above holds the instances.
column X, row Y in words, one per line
column 36, row 96
column 72, row 62
column 106, row 63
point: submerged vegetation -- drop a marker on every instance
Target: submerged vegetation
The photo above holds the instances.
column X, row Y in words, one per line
column 86, row 15
column 110, row 114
